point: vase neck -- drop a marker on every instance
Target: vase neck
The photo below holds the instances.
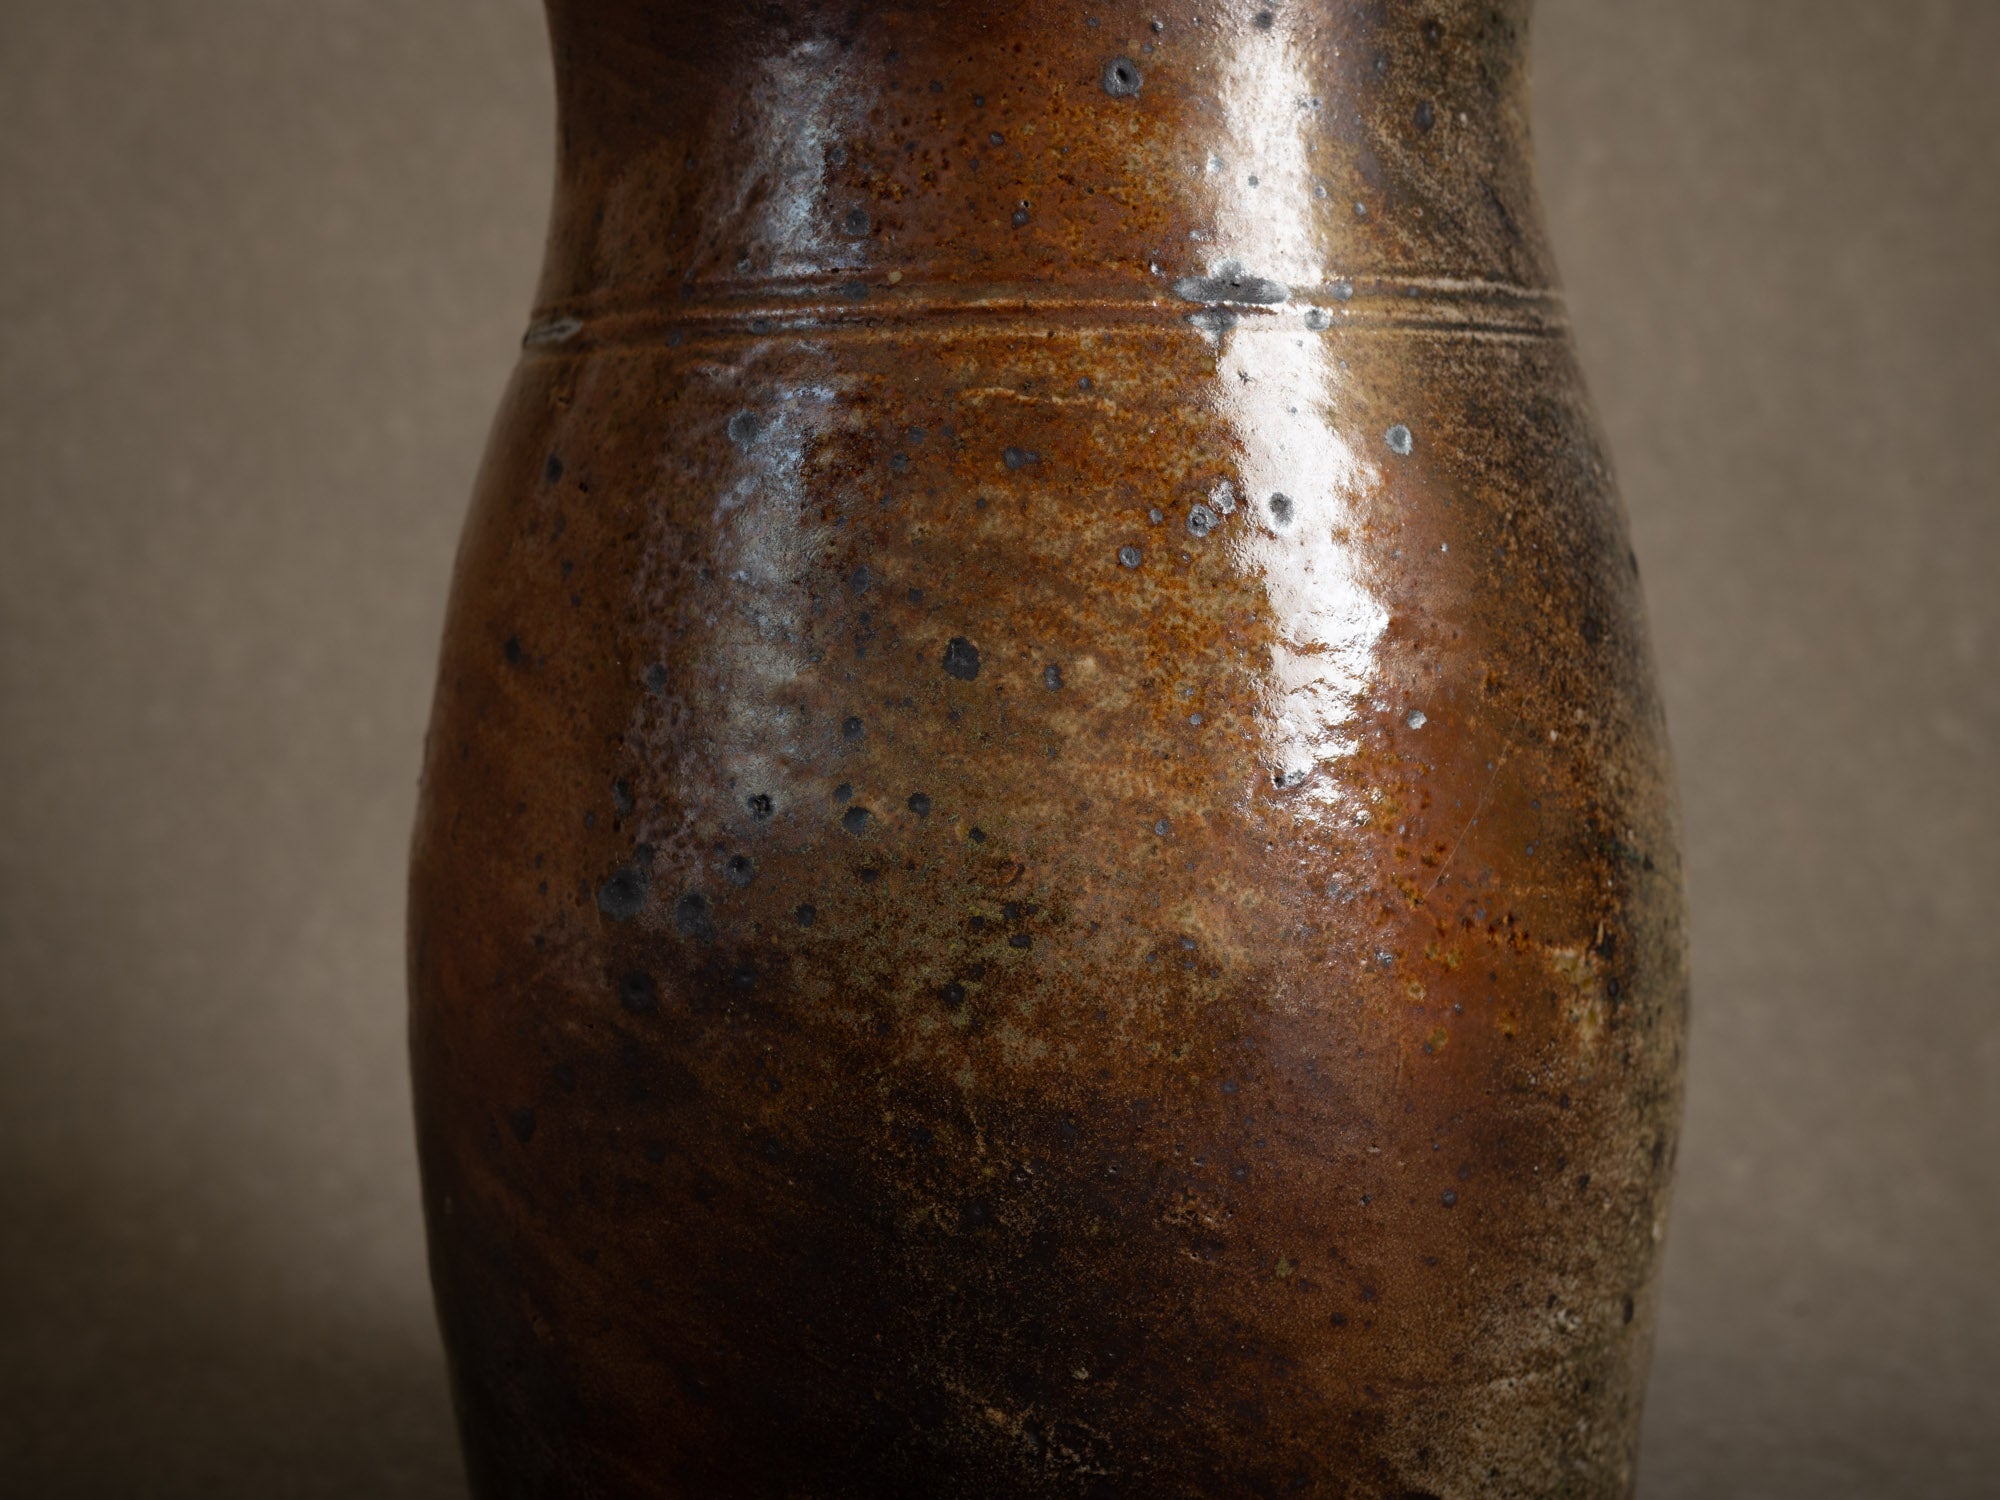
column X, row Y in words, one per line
column 723, row 152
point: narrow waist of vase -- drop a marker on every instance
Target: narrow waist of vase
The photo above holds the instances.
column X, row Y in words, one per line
column 828, row 307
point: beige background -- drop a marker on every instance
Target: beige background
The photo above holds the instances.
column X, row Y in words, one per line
column 263, row 266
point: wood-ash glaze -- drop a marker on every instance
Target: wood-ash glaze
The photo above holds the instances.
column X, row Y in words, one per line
column 1046, row 864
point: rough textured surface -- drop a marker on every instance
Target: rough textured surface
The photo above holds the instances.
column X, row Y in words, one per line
column 265, row 270
column 849, row 1065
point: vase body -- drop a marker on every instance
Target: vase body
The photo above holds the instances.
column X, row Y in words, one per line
column 1046, row 862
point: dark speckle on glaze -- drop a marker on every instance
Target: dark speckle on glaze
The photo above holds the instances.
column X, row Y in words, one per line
column 744, row 428
column 1052, row 677
column 760, row 805
column 852, row 729
column 623, row 896
column 1019, row 458
column 1230, row 283
column 920, row 804
column 1213, row 322
column 1130, row 556
column 855, row 820
column 638, row 995
column 961, row 659
column 1281, row 510
column 1121, row 78
column 691, row 916
column 805, row 914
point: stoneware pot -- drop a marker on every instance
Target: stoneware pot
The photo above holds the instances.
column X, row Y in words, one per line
column 1047, row 864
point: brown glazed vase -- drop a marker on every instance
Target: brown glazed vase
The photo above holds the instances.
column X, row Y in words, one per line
column 1047, row 864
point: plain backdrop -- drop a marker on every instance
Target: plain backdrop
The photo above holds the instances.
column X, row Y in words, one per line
column 263, row 269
